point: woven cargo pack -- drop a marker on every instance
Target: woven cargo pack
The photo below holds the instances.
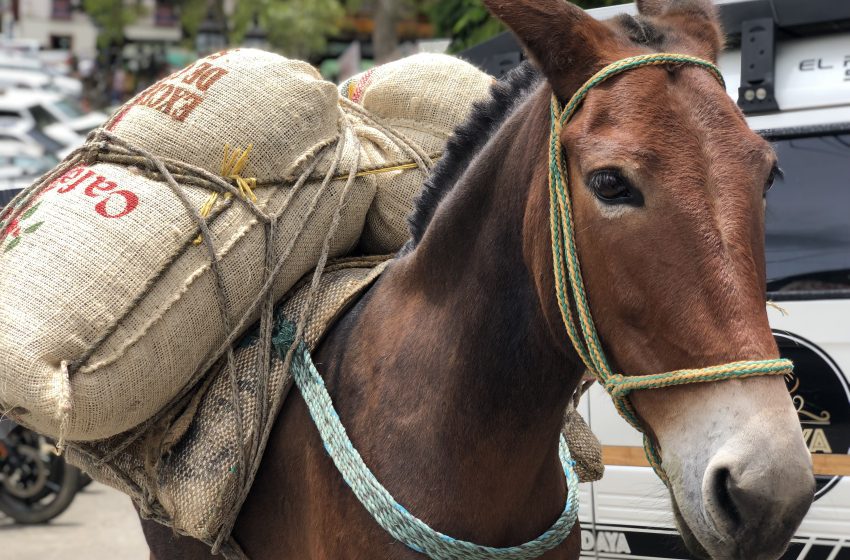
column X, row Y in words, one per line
column 116, row 304
column 113, row 301
column 194, row 437
column 182, row 471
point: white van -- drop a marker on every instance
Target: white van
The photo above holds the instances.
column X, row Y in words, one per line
column 792, row 79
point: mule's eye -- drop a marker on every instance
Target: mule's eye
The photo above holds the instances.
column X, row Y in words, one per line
column 611, row 187
column 775, row 173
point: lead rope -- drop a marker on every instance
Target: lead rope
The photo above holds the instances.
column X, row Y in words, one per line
column 568, row 271
column 377, row 500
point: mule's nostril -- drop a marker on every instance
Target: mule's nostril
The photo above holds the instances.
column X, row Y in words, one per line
column 723, row 492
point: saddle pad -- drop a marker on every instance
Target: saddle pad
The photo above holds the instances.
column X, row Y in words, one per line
column 180, row 470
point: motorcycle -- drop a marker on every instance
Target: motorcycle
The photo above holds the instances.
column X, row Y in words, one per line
column 36, row 484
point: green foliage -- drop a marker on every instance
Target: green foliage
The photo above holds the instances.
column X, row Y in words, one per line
column 192, row 14
column 298, row 28
column 112, row 17
column 468, row 22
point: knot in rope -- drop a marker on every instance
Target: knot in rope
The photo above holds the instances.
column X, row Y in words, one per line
column 569, row 285
column 232, row 164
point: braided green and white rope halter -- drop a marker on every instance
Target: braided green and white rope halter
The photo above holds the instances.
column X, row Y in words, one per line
column 394, row 517
column 569, row 284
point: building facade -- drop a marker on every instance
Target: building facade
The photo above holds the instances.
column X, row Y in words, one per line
column 61, row 24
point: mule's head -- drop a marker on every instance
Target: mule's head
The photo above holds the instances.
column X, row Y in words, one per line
column 668, row 183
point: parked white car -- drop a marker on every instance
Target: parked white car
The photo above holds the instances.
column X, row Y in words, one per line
column 27, row 72
column 58, row 117
column 20, row 165
column 33, row 138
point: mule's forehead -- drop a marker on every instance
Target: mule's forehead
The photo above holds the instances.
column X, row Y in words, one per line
column 654, row 114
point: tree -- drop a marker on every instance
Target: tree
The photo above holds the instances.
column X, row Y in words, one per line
column 385, row 35
column 111, row 18
column 386, row 15
column 468, row 22
column 298, row 28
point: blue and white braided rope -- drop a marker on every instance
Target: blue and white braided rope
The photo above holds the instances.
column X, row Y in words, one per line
column 391, row 515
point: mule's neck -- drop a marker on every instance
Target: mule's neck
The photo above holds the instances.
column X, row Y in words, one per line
column 484, row 267
column 468, row 379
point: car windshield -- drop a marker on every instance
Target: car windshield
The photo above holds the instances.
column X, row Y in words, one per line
column 36, row 164
column 807, row 225
column 69, row 108
column 9, row 118
column 43, row 117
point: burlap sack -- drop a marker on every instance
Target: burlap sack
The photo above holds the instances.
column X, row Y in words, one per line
column 110, row 304
column 424, row 100
column 585, row 448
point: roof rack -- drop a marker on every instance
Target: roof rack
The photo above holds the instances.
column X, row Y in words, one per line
column 792, row 18
column 751, row 25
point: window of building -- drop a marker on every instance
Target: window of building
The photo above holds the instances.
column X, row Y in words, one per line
column 165, row 14
column 60, row 42
column 60, row 9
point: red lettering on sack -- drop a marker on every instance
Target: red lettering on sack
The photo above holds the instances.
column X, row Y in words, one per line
column 173, row 100
column 62, row 179
column 100, row 184
column 181, row 104
column 167, row 105
column 204, row 76
column 130, row 202
column 190, row 103
column 73, row 174
column 159, row 97
column 197, row 70
column 220, row 54
column 96, row 186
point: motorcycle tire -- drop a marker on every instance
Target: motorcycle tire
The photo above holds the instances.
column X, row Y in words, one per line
column 32, row 513
column 85, row 480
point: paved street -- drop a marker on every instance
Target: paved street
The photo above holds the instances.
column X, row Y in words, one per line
column 100, row 525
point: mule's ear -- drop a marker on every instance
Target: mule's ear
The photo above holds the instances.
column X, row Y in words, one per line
column 568, row 44
column 692, row 23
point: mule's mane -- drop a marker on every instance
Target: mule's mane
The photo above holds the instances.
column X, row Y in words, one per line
column 466, row 142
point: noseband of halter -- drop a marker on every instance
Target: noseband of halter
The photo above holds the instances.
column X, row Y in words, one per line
column 569, row 284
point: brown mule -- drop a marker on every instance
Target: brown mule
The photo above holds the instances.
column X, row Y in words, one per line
column 453, row 372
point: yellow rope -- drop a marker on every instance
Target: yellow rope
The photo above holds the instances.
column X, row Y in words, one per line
column 235, row 161
column 390, row 169
column 232, row 164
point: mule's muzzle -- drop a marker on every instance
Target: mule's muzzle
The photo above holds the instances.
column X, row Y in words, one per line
column 756, row 504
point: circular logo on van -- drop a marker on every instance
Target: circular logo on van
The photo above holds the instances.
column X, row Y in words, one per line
column 821, row 395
